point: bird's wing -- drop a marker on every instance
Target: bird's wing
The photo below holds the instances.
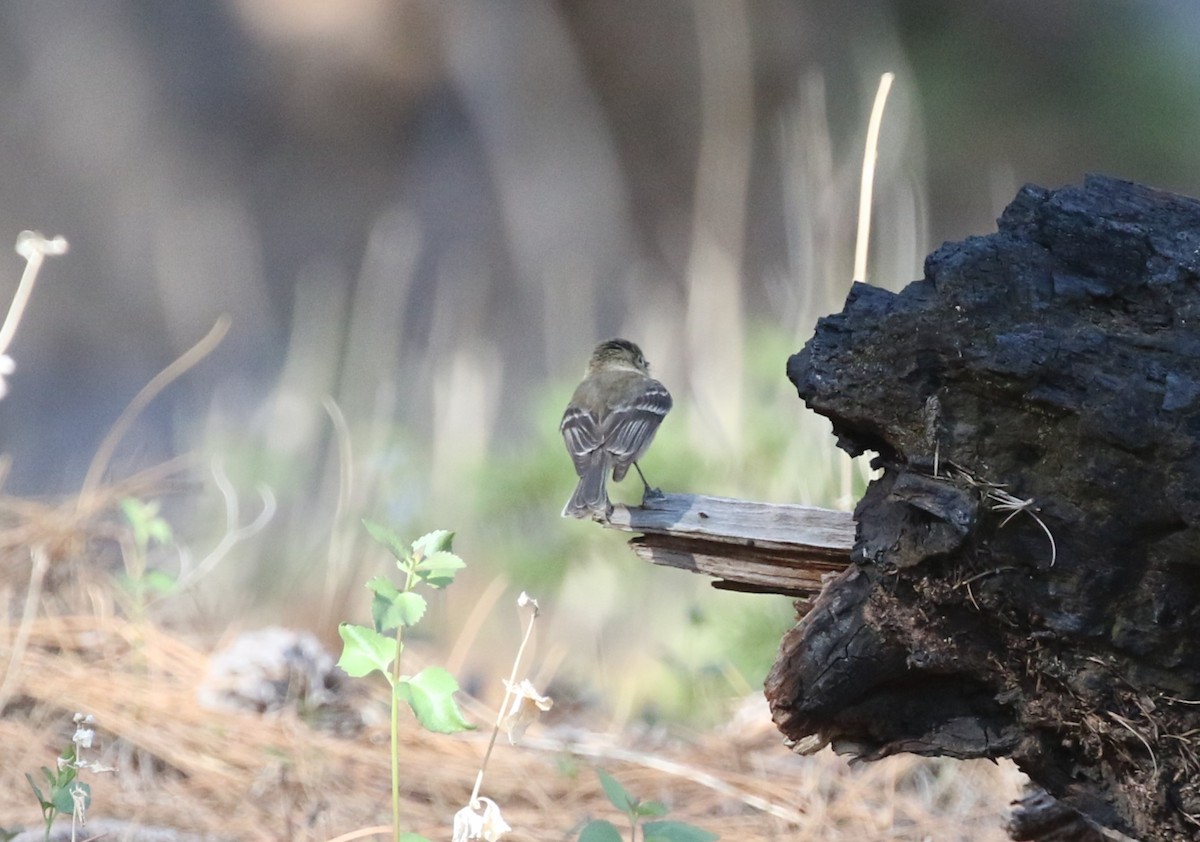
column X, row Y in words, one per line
column 581, row 431
column 627, row 430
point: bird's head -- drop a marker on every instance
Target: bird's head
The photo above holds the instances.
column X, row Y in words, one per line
column 617, row 354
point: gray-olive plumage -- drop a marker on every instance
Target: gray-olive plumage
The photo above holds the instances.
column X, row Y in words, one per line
column 610, row 421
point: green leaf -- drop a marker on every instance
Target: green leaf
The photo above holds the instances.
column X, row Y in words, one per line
column 159, row 530
column 438, row 541
column 650, row 808
column 383, row 605
column 412, row 837
column 384, row 587
column 406, row 609
column 364, row 650
column 146, row 524
column 617, row 794
column 36, row 791
column 437, row 569
column 676, row 832
column 430, row 694
column 159, row 581
column 64, row 801
column 387, row 538
column 600, row 831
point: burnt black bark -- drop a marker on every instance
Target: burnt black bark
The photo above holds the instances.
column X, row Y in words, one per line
column 1027, row 570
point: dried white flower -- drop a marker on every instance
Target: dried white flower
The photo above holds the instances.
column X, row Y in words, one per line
column 470, row 823
column 30, row 243
column 79, row 798
column 527, row 703
column 83, row 737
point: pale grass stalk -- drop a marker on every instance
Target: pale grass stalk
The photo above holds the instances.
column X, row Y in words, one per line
column 714, row 304
column 680, row 770
column 234, row 532
column 466, row 403
column 481, row 607
column 363, row 833
column 339, row 543
column 149, row 392
column 812, row 205
column 862, row 241
column 33, row 595
column 870, row 155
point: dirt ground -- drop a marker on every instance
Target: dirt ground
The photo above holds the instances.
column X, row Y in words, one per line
column 224, row 775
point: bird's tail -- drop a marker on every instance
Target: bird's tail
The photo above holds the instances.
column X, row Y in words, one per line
column 590, row 497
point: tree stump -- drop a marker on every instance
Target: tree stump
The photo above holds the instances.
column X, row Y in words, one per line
column 1026, row 572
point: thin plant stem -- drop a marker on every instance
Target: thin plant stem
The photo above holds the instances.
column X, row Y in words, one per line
column 396, row 735
column 508, row 692
column 410, row 581
column 34, row 248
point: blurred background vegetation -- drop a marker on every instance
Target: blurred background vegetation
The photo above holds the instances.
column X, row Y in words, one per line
column 429, row 212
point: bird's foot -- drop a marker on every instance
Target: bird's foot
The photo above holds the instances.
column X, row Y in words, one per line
column 652, row 494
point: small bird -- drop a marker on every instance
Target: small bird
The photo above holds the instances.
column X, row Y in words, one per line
column 610, row 422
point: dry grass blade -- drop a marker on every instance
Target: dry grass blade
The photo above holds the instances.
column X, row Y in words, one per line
column 1124, row 723
column 142, row 399
column 1005, row 502
column 999, row 500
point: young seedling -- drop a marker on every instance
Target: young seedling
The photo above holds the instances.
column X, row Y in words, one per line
column 427, row 561
column 146, row 527
column 636, row 812
column 64, row 792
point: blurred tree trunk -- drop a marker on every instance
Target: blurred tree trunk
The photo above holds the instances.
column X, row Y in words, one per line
column 1027, row 569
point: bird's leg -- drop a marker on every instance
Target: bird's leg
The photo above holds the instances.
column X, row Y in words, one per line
column 648, row 493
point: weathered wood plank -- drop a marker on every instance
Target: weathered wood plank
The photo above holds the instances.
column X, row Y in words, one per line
column 764, row 547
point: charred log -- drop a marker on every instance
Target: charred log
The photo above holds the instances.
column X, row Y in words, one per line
column 1026, row 577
